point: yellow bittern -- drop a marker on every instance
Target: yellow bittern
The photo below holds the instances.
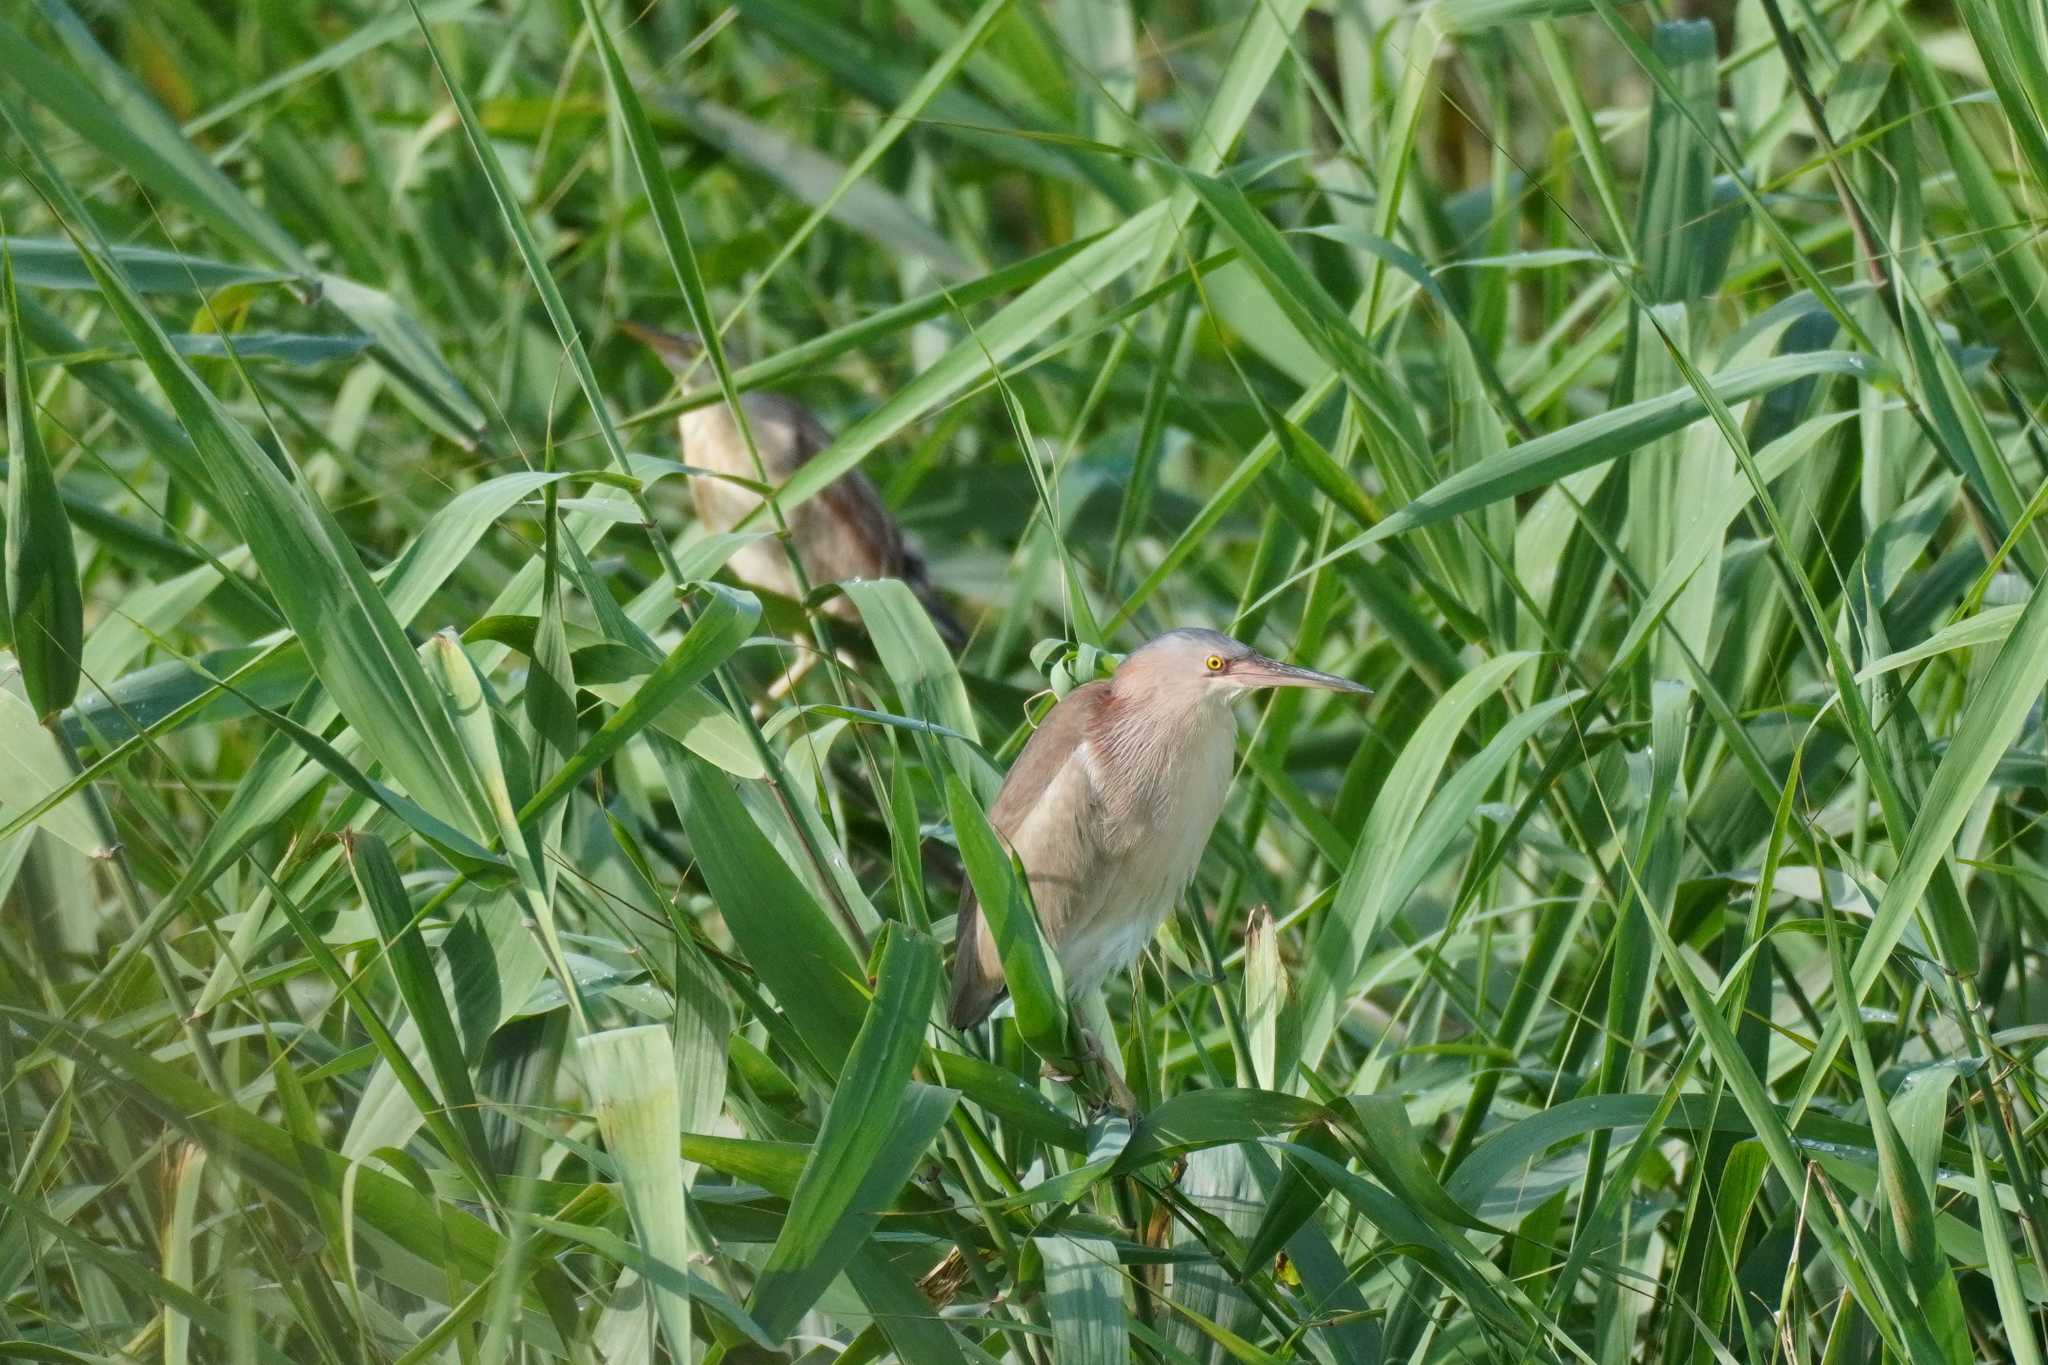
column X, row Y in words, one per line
column 1111, row 802
column 844, row 532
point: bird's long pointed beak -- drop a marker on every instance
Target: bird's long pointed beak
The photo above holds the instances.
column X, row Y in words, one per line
column 676, row 348
column 1260, row 671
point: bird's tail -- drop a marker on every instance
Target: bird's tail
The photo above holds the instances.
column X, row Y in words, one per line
column 977, row 981
column 919, row 580
column 973, row 999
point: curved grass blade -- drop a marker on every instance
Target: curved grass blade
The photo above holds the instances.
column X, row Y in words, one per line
column 1380, row 873
column 1535, row 464
column 1030, row 969
column 875, row 1131
column 927, row 680
column 1214, row 1118
column 780, row 928
column 377, row 879
column 719, row 629
column 53, row 263
column 1990, row 721
column 45, row 612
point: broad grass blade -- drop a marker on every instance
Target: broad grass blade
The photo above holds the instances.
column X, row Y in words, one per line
column 781, row 929
column 632, row 1077
column 875, row 1131
column 1084, row 1297
column 419, row 986
column 719, row 629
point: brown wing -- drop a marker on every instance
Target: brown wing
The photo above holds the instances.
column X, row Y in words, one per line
column 977, row 968
column 865, row 540
column 919, row 578
column 785, row 432
column 858, row 537
column 850, row 533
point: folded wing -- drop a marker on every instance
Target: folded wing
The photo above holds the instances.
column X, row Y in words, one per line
column 1048, row 814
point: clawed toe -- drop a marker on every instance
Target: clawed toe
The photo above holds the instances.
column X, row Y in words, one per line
column 1094, row 1076
column 1118, row 1096
column 1116, row 1092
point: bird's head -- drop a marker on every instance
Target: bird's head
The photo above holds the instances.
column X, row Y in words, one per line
column 1202, row 667
column 678, row 350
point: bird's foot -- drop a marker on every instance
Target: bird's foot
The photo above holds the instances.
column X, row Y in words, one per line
column 1095, row 1077
column 1114, row 1091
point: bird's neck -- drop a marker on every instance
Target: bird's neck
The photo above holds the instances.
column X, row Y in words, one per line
column 1155, row 749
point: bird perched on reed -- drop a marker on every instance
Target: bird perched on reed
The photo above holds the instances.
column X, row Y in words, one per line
column 844, row 532
column 1111, row 802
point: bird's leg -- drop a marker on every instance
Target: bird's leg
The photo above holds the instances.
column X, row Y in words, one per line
column 1092, row 1070
column 785, row 684
column 791, row 676
column 1099, row 1060
column 1114, row 1088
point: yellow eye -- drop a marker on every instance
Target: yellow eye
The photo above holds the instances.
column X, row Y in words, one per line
column 1215, row 662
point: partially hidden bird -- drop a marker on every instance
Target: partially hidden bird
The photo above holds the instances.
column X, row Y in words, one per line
column 1111, row 802
column 844, row 532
